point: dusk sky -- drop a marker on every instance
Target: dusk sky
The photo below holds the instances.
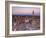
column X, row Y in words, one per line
column 25, row 10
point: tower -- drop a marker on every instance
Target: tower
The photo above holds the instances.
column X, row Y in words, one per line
column 33, row 15
column 33, row 19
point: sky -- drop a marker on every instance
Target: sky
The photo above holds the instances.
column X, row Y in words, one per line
column 25, row 10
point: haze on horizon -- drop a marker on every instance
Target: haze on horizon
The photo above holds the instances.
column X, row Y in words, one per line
column 25, row 11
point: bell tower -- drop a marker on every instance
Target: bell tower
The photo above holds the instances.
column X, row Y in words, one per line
column 33, row 19
column 33, row 15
